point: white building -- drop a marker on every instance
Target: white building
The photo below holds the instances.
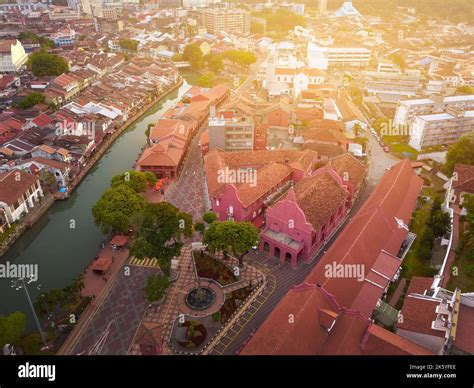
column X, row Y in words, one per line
column 19, row 193
column 323, row 57
column 441, row 128
column 407, row 110
column 12, row 56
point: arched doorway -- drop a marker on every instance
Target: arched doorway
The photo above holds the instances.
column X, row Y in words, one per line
column 266, row 247
column 288, row 257
column 277, row 253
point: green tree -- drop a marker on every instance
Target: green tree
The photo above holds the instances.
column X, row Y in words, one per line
column 209, row 217
column 230, row 236
column 116, row 209
column 44, row 42
column 31, row 100
column 240, row 57
column 207, row 80
column 257, row 28
column 460, row 153
column 136, row 180
column 426, row 244
column 47, row 179
column 214, row 62
column 156, row 286
column 11, row 328
column 129, row 44
column 159, row 232
column 199, row 227
column 46, row 64
column 193, row 54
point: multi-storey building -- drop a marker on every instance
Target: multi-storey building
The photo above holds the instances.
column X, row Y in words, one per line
column 441, row 128
column 228, row 20
column 407, row 110
column 323, row 57
column 231, row 134
column 405, row 84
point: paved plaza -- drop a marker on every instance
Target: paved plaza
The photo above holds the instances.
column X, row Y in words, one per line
column 189, row 192
column 114, row 323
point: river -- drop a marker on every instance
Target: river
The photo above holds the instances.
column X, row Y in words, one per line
column 60, row 251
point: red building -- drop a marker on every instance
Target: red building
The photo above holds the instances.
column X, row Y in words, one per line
column 332, row 313
column 243, row 184
column 299, row 224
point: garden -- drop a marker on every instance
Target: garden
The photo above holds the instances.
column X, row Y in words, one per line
column 210, row 268
column 193, row 334
column 232, row 302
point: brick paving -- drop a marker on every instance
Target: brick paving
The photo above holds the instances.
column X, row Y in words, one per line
column 167, row 313
column 189, row 192
column 115, row 321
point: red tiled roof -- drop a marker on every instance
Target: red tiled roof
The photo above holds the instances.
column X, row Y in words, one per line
column 465, row 329
column 418, row 315
column 373, row 229
column 465, row 178
column 12, row 188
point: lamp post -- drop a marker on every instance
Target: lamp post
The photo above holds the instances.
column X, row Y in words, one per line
column 18, row 285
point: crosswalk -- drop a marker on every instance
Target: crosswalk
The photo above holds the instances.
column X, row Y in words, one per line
column 153, row 263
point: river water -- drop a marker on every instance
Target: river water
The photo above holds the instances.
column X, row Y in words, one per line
column 60, row 251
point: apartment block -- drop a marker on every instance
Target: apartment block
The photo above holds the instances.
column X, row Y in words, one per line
column 231, row 134
column 407, row 110
column 228, row 20
column 441, row 128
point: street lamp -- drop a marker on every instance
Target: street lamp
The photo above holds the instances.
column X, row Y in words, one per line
column 18, row 285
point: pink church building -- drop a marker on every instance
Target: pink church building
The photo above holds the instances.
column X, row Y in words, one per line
column 261, row 178
column 299, row 224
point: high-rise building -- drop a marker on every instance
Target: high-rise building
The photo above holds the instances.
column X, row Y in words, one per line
column 323, row 6
column 228, row 20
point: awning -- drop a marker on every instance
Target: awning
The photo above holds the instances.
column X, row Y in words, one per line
column 119, row 240
column 101, row 265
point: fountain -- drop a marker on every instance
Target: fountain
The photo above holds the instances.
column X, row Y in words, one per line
column 200, row 298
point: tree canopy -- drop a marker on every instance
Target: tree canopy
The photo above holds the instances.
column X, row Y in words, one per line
column 129, row 44
column 282, row 20
column 193, row 54
column 240, row 57
column 214, row 62
column 207, row 80
column 117, row 208
column 46, row 64
column 230, row 236
column 159, row 231
column 28, row 35
column 11, row 328
column 156, row 286
column 460, row 153
column 136, row 180
column 31, row 100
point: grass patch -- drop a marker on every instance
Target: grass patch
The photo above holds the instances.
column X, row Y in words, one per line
column 412, row 264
